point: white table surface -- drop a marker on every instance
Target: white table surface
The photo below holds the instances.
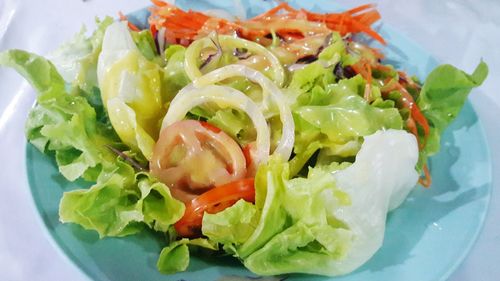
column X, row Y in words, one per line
column 459, row 32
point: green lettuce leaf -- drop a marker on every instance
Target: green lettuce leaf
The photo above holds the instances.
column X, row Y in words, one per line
column 331, row 115
column 234, row 225
column 120, row 202
column 76, row 60
column 309, row 85
column 175, row 257
column 336, row 52
column 347, row 115
column 235, row 123
column 311, row 81
column 269, row 189
column 335, row 119
column 60, row 122
column 300, row 248
column 312, row 237
column 442, row 97
column 39, row 72
column 146, row 44
column 243, row 228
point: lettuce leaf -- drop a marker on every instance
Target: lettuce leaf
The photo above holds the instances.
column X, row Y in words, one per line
column 120, row 202
column 334, row 120
column 259, row 222
column 60, row 122
column 76, row 60
column 269, row 192
column 233, row 225
column 442, row 97
column 175, row 257
column 39, row 72
column 146, row 44
column 348, row 116
column 330, row 113
column 310, row 238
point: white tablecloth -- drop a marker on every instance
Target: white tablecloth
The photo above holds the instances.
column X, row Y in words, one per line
column 459, row 32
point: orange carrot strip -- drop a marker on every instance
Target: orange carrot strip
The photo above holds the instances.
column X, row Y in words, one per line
column 426, row 181
column 153, row 30
column 415, row 111
column 159, row 3
column 273, row 11
column 367, row 30
column 130, row 25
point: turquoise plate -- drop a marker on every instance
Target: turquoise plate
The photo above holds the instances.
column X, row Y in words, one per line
column 426, row 238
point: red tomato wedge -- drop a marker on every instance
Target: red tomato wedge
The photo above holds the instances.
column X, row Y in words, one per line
column 213, row 201
column 191, row 157
column 249, row 152
column 210, row 127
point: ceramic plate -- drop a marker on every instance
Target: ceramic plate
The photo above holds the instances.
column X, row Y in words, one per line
column 426, row 238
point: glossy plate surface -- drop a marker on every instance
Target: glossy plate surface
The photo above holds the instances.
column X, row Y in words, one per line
column 426, row 238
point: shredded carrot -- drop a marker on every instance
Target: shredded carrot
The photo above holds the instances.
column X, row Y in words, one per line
column 415, row 113
column 382, row 67
column 358, row 27
column 159, row 3
column 368, row 88
column 408, row 102
column 426, row 181
column 363, row 67
column 408, row 80
column 189, row 24
column 130, row 25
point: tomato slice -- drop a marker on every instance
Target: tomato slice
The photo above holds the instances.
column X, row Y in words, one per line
column 213, row 201
column 191, row 157
column 210, row 127
column 249, row 153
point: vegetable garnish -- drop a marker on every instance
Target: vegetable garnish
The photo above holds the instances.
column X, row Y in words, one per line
column 281, row 139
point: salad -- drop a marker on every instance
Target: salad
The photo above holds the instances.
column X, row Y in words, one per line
column 283, row 140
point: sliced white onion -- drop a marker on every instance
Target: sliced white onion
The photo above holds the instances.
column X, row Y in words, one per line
column 116, row 44
column 191, row 96
column 193, row 52
column 297, row 66
column 269, row 90
column 161, row 40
